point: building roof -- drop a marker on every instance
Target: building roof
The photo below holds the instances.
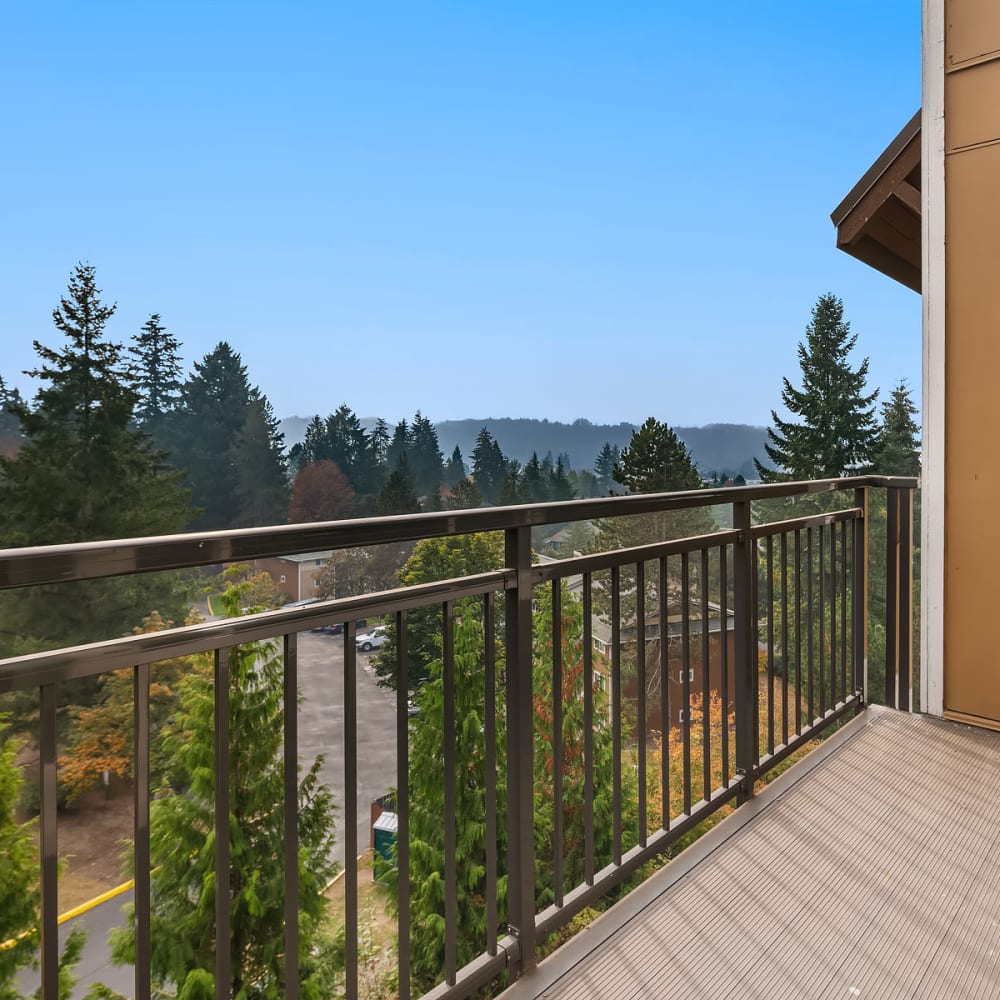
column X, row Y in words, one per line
column 304, row 557
column 879, row 220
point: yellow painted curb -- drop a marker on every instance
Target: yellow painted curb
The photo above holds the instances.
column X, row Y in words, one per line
column 78, row 911
column 96, row 901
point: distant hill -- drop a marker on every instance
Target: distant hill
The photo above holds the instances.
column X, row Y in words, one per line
column 716, row 447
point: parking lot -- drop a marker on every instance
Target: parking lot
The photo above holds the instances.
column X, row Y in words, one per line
column 321, row 727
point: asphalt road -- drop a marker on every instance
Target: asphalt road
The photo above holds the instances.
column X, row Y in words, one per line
column 321, row 732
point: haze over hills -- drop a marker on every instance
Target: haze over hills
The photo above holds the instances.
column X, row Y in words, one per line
column 719, row 448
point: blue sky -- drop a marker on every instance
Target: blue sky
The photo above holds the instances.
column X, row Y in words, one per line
column 544, row 210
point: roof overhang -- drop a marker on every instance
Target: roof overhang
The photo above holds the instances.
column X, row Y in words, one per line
column 879, row 220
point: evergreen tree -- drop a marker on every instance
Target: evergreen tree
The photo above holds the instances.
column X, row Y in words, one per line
column 315, row 445
column 465, row 496
column 536, row 485
column 85, row 472
column 378, row 454
column 435, row 559
column 835, row 430
column 183, row 878
column 257, row 456
column 454, row 471
column 559, row 484
column 897, row 448
column 512, row 489
column 398, row 495
column 10, row 423
column 427, row 858
column 426, row 460
column 348, row 446
column 157, row 371
column 20, row 933
column 604, row 466
column 489, row 466
column 399, row 446
column 201, row 433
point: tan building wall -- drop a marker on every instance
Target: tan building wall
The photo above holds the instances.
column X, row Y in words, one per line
column 972, row 358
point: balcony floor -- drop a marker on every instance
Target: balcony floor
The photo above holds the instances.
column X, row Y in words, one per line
column 871, row 869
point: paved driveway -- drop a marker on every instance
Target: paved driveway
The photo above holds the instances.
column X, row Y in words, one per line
column 321, row 727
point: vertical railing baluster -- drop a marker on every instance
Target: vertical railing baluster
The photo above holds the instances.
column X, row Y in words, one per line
column 588, row 733
column 290, row 767
column 904, row 626
column 891, row 593
column 783, row 555
column 557, row 742
column 844, row 564
column 640, row 673
column 140, row 831
column 686, row 676
column 449, row 739
column 745, row 572
column 859, row 595
column 833, row 615
column 810, row 659
column 661, row 610
column 769, row 554
column 822, row 619
column 49, row 846
column 724, row 658
column 223, row 935
column 616, row 716
column 520, row 747
column 706, row 701
column 490, row 734
column 403, row 806
column 351, row 808
column 798, row 632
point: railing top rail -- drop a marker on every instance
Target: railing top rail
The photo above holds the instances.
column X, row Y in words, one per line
column 49, row 666
column 37, row 565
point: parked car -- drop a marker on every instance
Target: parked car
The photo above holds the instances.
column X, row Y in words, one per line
column 367, row 641
column 337, row 628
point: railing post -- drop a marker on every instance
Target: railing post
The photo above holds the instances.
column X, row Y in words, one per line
column 520, row 743
column 899, row 599
column 745, row 648
column 859, row 595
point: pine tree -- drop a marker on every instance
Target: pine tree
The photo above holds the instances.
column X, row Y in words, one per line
column 348, row 446
column 399, row 446
column 157, row 370
column 835, row 430
column 183, row 878
column 261, row 472
column 201, row 432
column 427, row 859
column 454, row 471
column 19, row 893
column 897, row 448
column 426, row 460
column 398, row 495
column 10, row 424
column 85, row 472
column 560, row 487
column 435, row 559
column 604, row 466
column 489, row 466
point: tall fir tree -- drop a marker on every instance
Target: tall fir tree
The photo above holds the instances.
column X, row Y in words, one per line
column 258, row 458
column 398, row 495
column 85, row 472
column 157, row 368
column 183, row 857
column 454, row 471
column 426, row 460
column 835, row 428
column 604, row 466
column 347, row 442
column 10, row 423
column 489, row 466
column 896, row 451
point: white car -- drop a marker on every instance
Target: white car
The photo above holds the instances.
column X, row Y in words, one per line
column 367, row 641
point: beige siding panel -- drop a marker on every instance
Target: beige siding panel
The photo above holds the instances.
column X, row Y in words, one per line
column 972, row 105
column 972, row 30
column 972, row 475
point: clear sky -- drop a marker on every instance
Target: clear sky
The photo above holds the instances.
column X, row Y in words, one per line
column 528, row 209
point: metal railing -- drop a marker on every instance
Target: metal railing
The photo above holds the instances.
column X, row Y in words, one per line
column 769, row 618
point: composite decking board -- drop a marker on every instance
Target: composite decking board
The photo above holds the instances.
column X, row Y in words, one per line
column 878, row 871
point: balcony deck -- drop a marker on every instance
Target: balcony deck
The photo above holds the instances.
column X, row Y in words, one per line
column 871, row 869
